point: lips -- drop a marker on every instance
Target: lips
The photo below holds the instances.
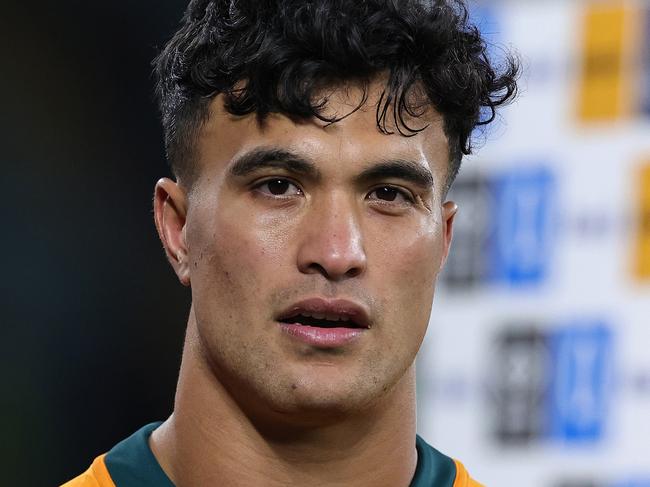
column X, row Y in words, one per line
column 325, row 313
column 325, row 324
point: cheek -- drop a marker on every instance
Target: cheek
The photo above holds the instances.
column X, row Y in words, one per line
column 235, row 255
column 224, row 265
column 405, row 273
column 411, row 252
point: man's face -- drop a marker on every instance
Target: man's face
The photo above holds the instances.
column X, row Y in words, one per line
column 292, row 226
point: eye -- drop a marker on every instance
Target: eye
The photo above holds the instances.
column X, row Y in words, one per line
column 390, row 194
column 278, row 187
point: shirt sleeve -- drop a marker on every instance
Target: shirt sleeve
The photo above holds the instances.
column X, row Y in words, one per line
column 96, row 476
column 462, row 477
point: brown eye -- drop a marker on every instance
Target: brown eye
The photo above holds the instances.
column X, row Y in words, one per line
column 279, row 187
column 387, row 193
column 390, row 194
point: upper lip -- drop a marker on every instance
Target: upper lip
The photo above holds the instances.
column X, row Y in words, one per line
column 330, row 308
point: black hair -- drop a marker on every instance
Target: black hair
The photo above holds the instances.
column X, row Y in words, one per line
column 277, row 55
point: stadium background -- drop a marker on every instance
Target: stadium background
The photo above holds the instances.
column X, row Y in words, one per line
column 535, row 370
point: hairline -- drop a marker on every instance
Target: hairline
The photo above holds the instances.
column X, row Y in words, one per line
column 185, row 170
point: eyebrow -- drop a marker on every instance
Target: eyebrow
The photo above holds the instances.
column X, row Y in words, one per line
column 265, row 157
column 271, row 157
column 400, row 169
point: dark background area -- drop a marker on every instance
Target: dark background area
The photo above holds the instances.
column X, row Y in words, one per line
column 92, row 316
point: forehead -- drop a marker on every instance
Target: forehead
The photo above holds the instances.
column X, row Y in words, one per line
column 353, row 141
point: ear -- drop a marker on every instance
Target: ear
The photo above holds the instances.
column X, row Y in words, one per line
column 170, row 212
column 449, row 210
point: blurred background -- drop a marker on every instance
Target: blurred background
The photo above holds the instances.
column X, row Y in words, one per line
column 536, row 367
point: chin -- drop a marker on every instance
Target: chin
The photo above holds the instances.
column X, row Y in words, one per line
column 315, row 411
column 327, row 395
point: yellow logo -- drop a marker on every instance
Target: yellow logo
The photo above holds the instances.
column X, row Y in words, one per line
column 606, row 84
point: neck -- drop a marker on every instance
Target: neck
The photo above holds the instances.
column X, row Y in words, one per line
column 210, row 440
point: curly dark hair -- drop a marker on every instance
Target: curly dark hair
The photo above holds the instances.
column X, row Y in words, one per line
column 277, row 55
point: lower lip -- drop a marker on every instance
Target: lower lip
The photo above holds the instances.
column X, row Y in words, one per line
column 322, row 337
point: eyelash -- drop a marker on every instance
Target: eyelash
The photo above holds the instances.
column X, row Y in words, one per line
column 407, row 195
column 260, row 184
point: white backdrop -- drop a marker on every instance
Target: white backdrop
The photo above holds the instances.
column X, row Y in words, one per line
column 536, row 368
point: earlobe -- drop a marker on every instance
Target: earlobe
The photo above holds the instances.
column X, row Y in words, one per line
column 449, row 211
column 170, row 212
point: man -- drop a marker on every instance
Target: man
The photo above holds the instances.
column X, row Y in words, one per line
column 313, row 144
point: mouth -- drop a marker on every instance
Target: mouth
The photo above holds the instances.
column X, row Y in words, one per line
column 325, row 324
column 321, row 321
column 322, row 313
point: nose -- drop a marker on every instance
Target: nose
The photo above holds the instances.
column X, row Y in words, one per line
column 332, row 243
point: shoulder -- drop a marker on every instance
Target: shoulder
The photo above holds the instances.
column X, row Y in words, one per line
column 462, row 477
column 130, row 463
column 435, row 469
column 96, row 476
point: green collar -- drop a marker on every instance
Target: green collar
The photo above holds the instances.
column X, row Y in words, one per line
column 132, row 464
column 434, row 469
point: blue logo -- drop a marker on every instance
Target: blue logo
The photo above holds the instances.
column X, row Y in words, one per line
column 580, row 387
column 520, row 243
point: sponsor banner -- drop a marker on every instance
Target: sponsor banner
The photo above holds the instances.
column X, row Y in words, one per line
column 642, row 251
column 604, row 86
column 581, row 381
column 520, row 241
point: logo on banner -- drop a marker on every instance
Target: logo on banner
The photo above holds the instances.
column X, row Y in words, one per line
column 521, row 239
column 504, row 230
column 580, row 385
column 604, row 82
column 551, row 385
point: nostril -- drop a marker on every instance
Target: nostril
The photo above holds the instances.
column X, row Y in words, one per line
column 333, row 273
column 354, row 272
column 317, row 268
